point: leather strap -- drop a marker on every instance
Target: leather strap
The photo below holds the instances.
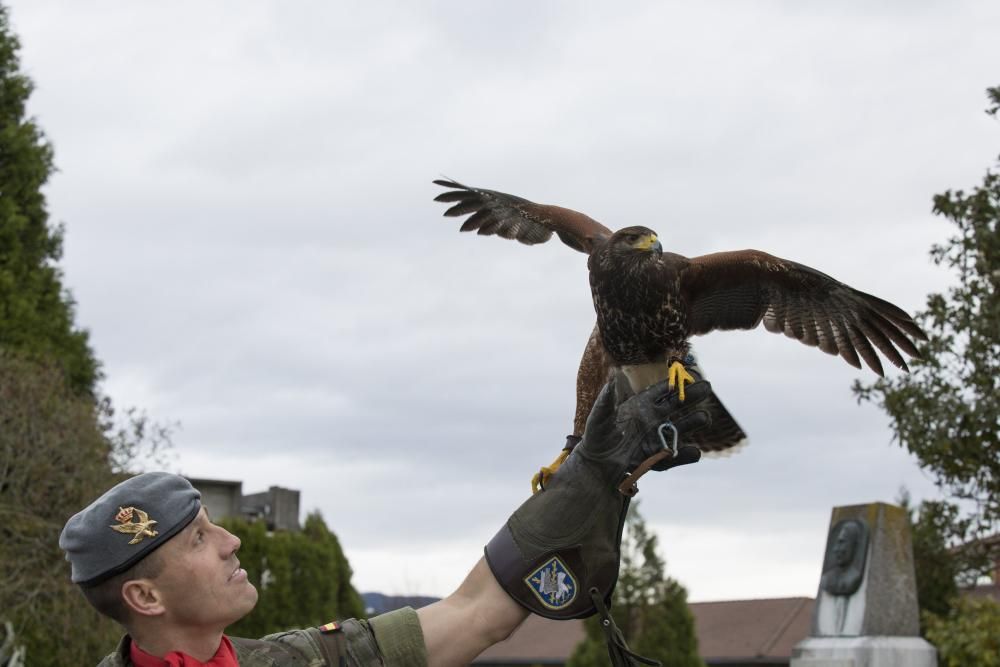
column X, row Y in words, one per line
column 619, row 652
column 629, row 486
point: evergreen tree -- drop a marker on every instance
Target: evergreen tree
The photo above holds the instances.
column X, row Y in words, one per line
column 303, row 578
column 60, row 442
column 36, row 312
column 649, row 607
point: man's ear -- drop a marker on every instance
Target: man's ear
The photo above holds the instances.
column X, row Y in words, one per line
column 142, row 597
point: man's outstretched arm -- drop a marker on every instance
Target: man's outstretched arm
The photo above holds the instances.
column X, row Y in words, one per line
column 470, row 620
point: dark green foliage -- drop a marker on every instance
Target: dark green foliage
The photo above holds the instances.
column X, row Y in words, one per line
column 53, row 462
column 303, row 578
column 968, row 635
column 947, row 410
column 937, row 568
column 649, row 607
column 56, row 450
column 36, row 313
column 60, row 444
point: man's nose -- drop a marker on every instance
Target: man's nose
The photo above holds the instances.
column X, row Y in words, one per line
column 233, row 543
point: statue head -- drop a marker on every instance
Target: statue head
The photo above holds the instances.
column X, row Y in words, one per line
column 845, row 543
column 846, row 553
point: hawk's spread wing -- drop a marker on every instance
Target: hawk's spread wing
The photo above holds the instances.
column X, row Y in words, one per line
column 738, row 290
column 511, row 217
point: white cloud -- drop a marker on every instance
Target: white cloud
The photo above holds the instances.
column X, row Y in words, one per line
column 252, row 241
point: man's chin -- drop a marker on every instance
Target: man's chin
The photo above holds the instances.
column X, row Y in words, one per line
column 246, row 603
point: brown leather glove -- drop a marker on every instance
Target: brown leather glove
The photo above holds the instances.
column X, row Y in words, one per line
column 558, row 555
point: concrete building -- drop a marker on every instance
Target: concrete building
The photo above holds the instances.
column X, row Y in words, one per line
column 278, row 506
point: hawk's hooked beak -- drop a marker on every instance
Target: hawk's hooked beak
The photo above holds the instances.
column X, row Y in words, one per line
column 650, row 243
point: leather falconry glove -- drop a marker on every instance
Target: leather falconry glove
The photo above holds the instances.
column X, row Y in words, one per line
column 564, row 541
column 559, row 553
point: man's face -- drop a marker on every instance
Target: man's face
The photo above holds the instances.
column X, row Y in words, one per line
column 202, row 584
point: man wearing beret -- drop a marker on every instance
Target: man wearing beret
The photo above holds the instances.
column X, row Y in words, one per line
column 147, row 555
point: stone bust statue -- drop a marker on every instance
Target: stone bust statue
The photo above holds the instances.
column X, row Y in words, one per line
column 847, row 550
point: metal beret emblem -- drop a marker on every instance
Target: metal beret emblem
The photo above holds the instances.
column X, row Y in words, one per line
column 139, row 529
column 553, row 584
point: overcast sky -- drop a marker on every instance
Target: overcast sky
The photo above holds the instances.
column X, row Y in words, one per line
column 253, row 245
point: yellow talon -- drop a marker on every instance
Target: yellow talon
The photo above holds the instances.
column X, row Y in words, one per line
column 542, row 477
column 677, row 376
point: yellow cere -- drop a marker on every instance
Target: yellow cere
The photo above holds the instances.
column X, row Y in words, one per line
column 646, row 242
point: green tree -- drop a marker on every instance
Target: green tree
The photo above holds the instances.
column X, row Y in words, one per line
column 36, row 312
column 61, row 444
column 936, row 566
column 303, row 578
column 649, row 607
column 968, row 635
column 53, row 462
column 946, row 412
column 58, row 451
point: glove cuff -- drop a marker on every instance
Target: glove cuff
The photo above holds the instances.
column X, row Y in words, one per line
column 553, row 584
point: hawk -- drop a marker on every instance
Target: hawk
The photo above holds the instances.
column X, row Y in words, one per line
column 650, row 302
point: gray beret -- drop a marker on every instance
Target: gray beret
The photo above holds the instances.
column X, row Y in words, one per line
column 126, row 524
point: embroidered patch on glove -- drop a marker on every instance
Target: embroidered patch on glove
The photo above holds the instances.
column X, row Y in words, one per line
column 553, row 584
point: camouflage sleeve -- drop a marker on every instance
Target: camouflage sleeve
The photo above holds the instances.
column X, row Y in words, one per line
column 393, row 638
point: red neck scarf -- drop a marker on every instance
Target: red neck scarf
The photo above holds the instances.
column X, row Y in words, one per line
column 224, row 657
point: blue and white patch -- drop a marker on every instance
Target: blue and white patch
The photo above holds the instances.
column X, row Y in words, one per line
column 553, row 584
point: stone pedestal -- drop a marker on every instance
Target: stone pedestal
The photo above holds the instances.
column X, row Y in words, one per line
column 864, row 652
column 866, row 612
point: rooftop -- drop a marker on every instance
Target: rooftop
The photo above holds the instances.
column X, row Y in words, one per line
column 732, row 632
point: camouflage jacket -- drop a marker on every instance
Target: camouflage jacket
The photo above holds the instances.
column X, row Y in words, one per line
column 393, row 639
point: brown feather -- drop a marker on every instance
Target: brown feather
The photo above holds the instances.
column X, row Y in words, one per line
column 453, row 195
column 824, row 330
column 800, row 302
column 876, row 334
column 593, row 373
column 462, row 208
column 890, row 329
column 510, row 217
column 474, row 221
column 847, row 351
column 809, row 329
column 866, row 350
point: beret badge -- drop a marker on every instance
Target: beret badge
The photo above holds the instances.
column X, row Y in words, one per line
column 139, row 529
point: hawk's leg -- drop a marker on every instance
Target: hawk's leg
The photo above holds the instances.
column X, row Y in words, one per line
column 543, row 476
column 677, row 375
